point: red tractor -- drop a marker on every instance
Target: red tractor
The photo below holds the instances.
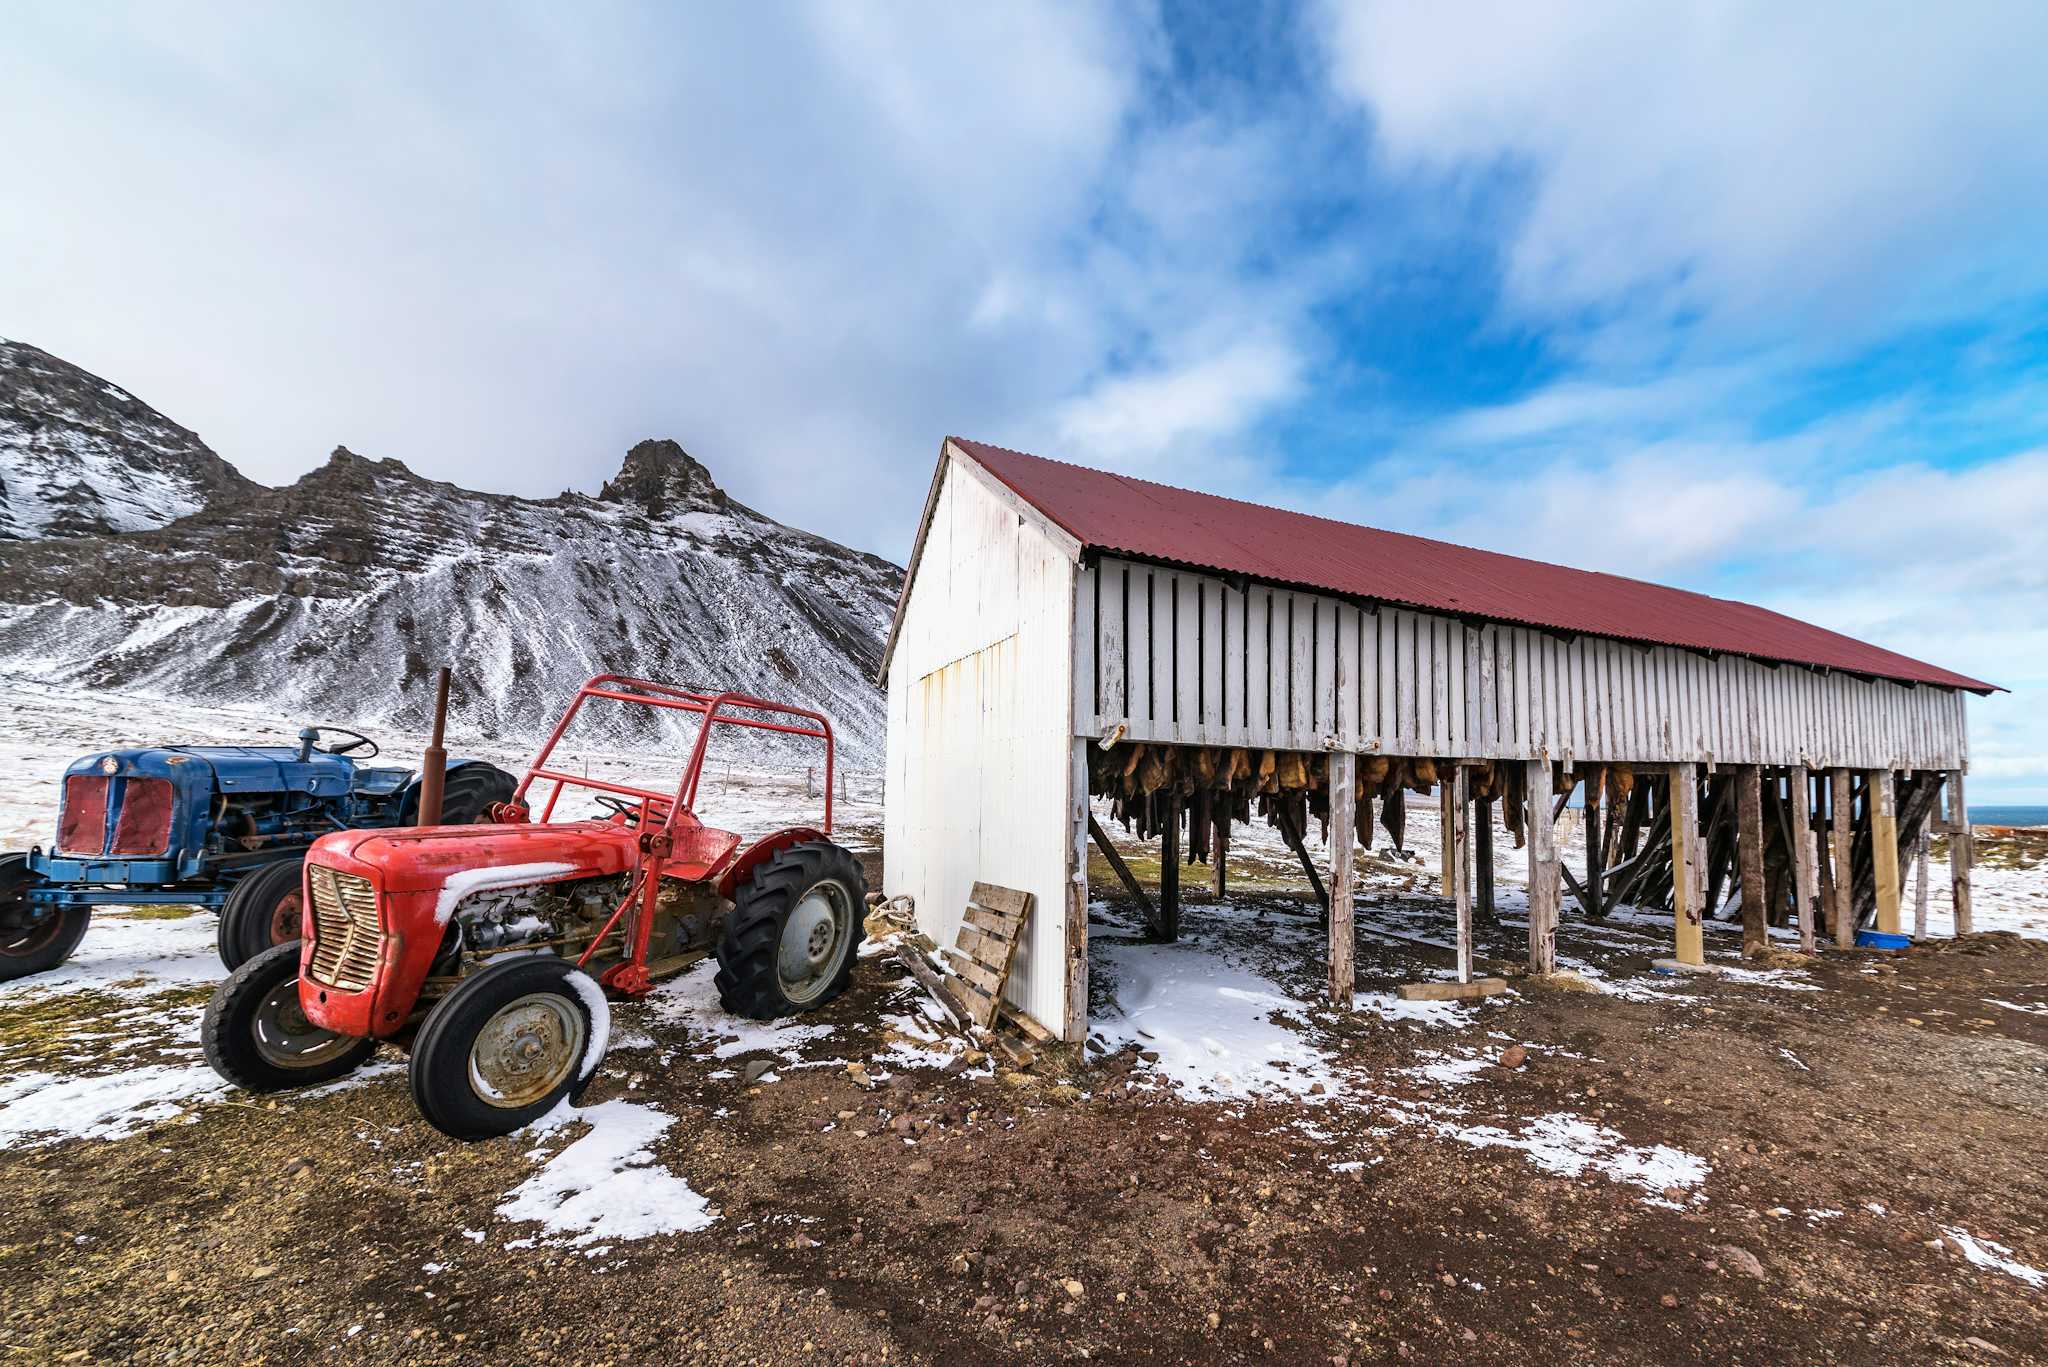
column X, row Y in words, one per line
column 488, row 949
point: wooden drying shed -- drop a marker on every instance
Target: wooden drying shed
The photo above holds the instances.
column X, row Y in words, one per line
column 1201, row 662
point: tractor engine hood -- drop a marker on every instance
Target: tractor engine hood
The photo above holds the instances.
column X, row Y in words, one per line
column 436, row 858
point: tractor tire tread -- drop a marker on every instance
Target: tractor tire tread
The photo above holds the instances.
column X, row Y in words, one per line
column 747, row 981
column 244, row 929
column 224, row 1030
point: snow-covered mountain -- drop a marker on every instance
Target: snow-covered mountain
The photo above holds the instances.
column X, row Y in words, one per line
column 79, row 456
column 336, row 597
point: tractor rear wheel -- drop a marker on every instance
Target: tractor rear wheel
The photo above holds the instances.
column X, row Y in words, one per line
column 790, row 942
column 470, row 792
column 262, row 911
column 33, row 946
column 256, row 1035
column 508, row 1045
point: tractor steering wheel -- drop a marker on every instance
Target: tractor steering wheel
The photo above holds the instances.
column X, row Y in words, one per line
column 356, row 742
column 629, row 810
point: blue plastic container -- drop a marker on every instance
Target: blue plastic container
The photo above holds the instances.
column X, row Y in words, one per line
column 1879, row 939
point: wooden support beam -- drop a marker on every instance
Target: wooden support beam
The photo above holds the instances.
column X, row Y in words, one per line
column 1169, row 874
column 1920, row 876
column 1842, row 808
column 1593, row 894
column 1074, row 1015
column 1444, row 799
column 1749, row 848
column 1343, row 836
column 1460, row 842
column 1805, row 862
column 1219, row 845
column 1884, row 848
column 1482, row 856
column 1962, row 850
column 1122, row 871
column 1298, row 843
column 1543, row 868
column 1688, row 939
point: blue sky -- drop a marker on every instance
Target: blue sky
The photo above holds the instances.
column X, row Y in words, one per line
column 1746, row 297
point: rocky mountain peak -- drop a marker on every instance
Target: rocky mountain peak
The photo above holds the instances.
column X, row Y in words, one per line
column 81, row 457
column 660, row 476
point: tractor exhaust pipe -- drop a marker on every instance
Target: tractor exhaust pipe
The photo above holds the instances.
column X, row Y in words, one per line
column 434, row 764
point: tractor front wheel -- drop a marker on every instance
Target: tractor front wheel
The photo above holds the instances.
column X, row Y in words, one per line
column 257, row 1036
column 262, row 911
column 508, row 1045
column 790, row 942
column 31, row 945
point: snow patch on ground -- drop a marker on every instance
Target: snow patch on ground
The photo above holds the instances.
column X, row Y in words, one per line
column 1985, row 1253
column 692, row 1002
column 38, row 1109
column 1211, row 1022
column 1569, row 1145
column 606, row 1186
column 133, row 957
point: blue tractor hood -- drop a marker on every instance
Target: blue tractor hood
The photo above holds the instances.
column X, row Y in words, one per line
column 229, row 769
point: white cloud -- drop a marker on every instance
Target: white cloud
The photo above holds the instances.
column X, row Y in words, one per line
column 1751, row 164
column 1140, row 422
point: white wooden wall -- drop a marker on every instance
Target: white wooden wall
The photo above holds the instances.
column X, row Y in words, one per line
column 1181, row 656
column 980, row 726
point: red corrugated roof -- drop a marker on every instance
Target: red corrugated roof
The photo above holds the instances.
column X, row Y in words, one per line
column 1159, row 522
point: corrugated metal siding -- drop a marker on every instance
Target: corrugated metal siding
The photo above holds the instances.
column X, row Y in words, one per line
column 1158, row 522
column 980, row 729
column 1180, row 656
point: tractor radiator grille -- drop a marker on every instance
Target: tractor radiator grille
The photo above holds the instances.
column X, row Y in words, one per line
column 347, row 943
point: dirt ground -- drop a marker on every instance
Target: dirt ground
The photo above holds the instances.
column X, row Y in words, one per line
column 1088, row 1210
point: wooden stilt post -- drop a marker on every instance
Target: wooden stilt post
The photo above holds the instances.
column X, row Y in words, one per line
column 1343, row 835
column 1543, row 891
column 1962, row 850
column 1884, row 848
column 1219, row 845
column 1920, row 876
column 1749, row 853
column 1596, row 847
column 1461, row 866
column 1805, row 863
column 1688, row 939
column 1445, row 797
column 1169, row 874
column 1482, row 855
column 1074, row 1019
column 1843, row 828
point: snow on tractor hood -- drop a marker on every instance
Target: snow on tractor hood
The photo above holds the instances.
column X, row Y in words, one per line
column 458, row 860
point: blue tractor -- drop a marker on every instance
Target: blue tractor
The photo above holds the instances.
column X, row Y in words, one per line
column 220, row 826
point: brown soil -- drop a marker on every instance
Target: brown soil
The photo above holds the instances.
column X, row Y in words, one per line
column 1030, row 1223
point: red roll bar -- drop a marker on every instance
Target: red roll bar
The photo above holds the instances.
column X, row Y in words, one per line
column 717, row 709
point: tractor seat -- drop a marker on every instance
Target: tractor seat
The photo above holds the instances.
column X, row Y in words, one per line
column 381, row 782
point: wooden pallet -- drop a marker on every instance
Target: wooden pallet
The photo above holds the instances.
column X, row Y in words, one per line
column 984, row 948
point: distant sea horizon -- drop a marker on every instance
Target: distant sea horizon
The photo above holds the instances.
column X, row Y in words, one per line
column 2009, row 816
